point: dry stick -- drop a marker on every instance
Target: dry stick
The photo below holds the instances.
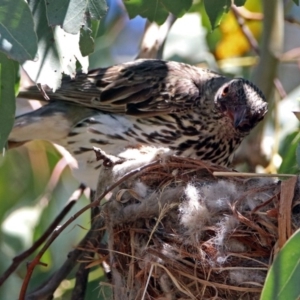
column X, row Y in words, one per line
column 154, row 38
column 46, row 290
column 82, row 273
column 19, row 258
column 58, row 230
column 245, row 29
column 285, row 210
column 254, row 175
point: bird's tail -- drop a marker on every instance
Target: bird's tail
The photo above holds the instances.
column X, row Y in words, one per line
column 36, row 92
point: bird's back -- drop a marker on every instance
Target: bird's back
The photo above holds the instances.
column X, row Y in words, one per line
column 148, row 102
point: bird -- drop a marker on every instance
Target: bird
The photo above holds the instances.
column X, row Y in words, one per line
column 192, row 111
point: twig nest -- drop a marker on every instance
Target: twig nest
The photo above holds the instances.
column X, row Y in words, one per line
column 175, row 231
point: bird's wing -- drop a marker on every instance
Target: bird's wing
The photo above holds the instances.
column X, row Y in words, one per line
column 142, row 87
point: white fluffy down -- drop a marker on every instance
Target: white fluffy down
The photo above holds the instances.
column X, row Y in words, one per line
column 194, row 214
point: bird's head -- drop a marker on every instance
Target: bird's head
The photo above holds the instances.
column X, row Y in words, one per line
column 242, row 102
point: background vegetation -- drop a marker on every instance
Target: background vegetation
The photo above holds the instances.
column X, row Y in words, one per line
column 255, row 39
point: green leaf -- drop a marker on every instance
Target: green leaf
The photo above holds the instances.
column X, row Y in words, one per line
column 158, row 10
column 18, row 39
column 296, row 2
column 215, row 10
column 239, row 2
column 97, row 9
column 282, row 281
column 288, row 151
column 154, row 11
column 298, row 155
column 86, row 42
column 7, row 98
column 177, row 8
column 71, row 14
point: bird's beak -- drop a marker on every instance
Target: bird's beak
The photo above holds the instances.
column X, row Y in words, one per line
column 237, row 114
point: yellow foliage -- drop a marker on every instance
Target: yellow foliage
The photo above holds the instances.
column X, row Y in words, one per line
column 233, row 42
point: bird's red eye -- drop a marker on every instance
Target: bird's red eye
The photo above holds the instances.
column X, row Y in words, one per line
column 225, row 91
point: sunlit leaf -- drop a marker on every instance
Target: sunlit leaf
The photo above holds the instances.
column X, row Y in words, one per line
column 7, row 98
column 282, row 281
column 17, row 35
column 57, row 50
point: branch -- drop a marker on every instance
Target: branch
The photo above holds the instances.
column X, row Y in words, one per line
column 76, row 254
column 271, row 47
column 153, row 42
column 20, row 258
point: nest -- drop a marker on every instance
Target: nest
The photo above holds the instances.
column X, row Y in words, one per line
column 176, row 231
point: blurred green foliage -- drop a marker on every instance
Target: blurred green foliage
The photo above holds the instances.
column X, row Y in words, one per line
column 282, row 281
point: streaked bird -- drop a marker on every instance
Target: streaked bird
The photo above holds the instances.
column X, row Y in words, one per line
column 195, row 112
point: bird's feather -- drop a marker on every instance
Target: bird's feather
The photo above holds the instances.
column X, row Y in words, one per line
column 145, row 87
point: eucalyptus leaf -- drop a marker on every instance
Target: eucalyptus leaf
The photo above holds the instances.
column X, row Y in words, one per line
column 282, row 281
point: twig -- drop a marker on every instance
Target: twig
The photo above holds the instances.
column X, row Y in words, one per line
column 271, row 47
column 249, row 15
column 19, row 258
column 82, row 273
column 46, row 290
column 245, row 29
column 254, row 175
column 43, row 92
column 292, row 20
column 58, row 230
column 254, row 45
column 154, row 38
